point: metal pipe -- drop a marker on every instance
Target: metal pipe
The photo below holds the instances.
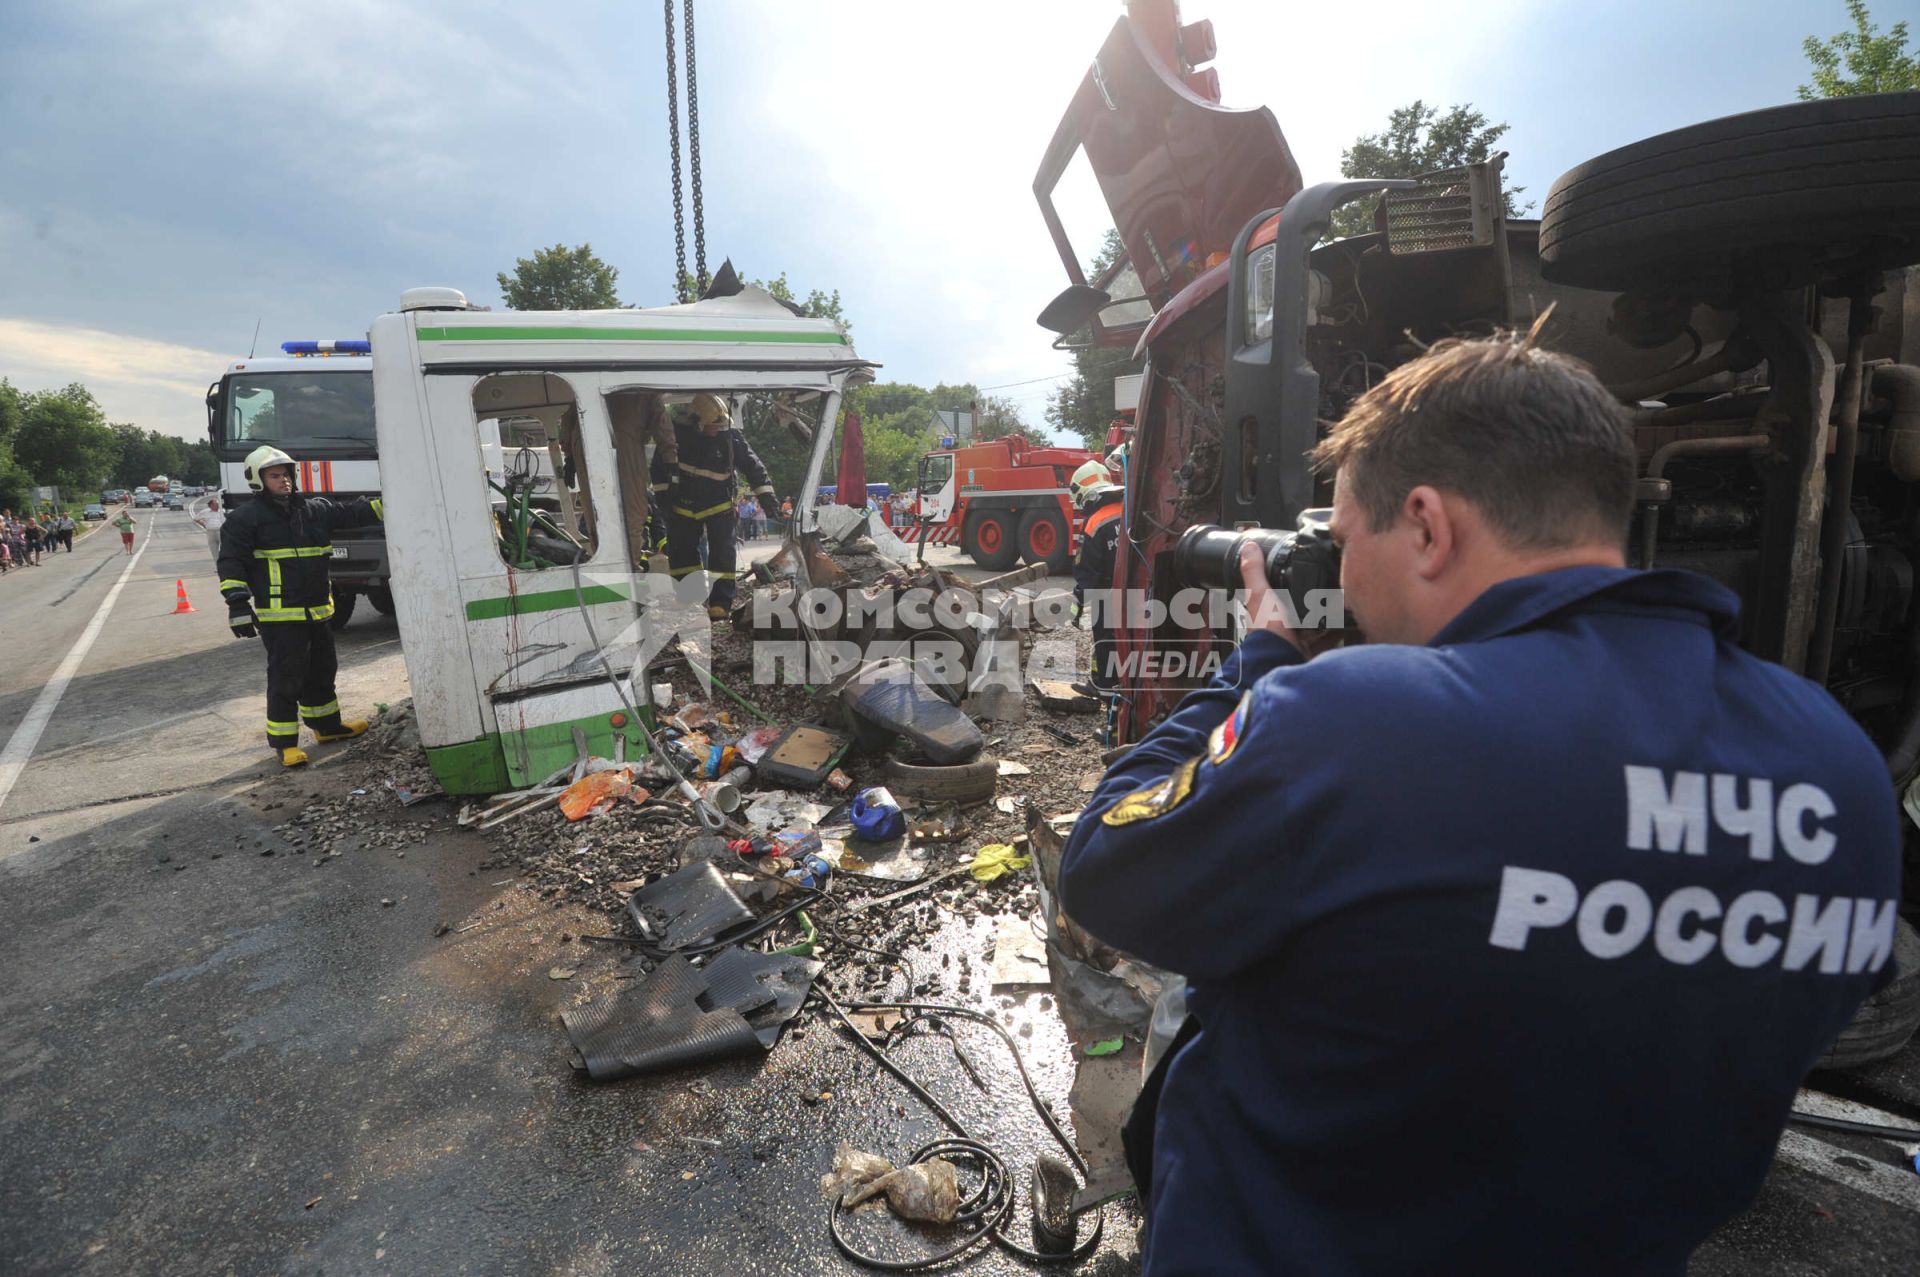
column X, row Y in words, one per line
column 1657, row 465
column 1724, row 408
column 1833, row 533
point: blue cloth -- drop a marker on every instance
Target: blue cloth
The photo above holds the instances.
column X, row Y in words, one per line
column 1417, row 1054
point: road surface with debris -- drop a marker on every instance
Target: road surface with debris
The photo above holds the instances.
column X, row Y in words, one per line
column 253, row 1021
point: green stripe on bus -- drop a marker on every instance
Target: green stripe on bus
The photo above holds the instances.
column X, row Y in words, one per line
column 544, row 601
column 585, row 332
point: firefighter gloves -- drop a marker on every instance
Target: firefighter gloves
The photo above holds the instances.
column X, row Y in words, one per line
column 241, row 618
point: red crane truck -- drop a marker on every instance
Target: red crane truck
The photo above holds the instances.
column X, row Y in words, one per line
column 1002, row 500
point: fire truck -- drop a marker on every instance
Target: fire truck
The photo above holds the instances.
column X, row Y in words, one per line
column 314, row 402
column 1002, row 500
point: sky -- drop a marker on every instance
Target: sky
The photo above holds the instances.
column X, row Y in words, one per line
column 172, row 175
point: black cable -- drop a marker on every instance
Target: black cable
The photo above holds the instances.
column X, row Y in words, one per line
column 993, row 1201
column 1855, row 1128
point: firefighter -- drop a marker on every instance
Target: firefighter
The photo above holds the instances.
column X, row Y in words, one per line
column 698, row 486
column 273, row 574
column 1099, row 501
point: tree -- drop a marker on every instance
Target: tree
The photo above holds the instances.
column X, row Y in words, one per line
column 1418, row 139
column 817, row 304
column 16, row 485
column 1083, row 406
column 560, row 278
column 13, row 409
column 63, row 439
column 1875, row 63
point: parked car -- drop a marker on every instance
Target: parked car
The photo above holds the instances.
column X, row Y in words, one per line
column 92, row 512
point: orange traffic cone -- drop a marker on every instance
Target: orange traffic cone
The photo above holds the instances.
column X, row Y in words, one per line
column 180, row 603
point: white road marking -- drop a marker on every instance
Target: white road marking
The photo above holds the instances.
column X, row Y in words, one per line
column 13, row 759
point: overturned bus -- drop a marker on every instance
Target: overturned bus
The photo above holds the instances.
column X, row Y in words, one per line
column 515, row 449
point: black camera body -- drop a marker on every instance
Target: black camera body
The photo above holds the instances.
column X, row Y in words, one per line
column 1306, row 559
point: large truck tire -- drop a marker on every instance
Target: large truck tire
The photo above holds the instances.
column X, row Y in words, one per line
column 381, row 596
column 990, row 536
column 957, row 782
column 343, row 602
column 1886, row 1021
column 1044, row 539
column 1799, row 189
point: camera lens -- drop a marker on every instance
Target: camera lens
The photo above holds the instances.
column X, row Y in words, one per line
column 1208, row 555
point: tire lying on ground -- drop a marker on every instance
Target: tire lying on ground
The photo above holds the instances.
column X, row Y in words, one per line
column 958, row 782
column 1798, row 189
column 1885, row 1021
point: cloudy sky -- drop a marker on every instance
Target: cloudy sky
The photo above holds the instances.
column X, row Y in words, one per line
column 172, row 174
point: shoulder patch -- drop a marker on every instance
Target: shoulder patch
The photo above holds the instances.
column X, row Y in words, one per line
column 1157, row 799
column 1226, row 737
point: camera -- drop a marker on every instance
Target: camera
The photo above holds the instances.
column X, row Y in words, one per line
column 1208, row 556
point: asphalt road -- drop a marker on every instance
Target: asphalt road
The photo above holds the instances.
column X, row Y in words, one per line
column 221, row 1052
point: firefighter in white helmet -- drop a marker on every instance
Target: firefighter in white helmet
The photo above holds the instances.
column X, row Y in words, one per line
column 696, row 487
column 273, row 574
column 1099, row 500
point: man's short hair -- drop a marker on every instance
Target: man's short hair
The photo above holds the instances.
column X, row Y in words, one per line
column 1530, row 437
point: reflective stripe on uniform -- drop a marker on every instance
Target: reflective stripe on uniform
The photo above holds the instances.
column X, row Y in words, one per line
column 235, row 585
column 724, row 576
column 320, row 613
column 704, row 474
column 379, row 512
column 707, row 513
column 764, row 490
column 679, row 572
column 273, row 583
column 294, row 552
column 282, row 729
column 320, row 711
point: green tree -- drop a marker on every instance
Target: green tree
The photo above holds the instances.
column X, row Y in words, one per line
column 560, row 278
column 1418, row 139
column 1874, row 63
column 63, row 439
column 13, row 409
column 1082, row 406
column 16, row 485
column 815, row 305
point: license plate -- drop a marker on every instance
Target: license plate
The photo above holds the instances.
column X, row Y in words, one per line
column 338, row 553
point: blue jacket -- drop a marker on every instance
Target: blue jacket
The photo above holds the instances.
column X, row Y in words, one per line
column 1509, row 951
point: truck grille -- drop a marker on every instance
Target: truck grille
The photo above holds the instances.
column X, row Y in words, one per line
column 1450, row 209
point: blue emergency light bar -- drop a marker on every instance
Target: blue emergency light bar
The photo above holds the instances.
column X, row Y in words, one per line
column 345, row 346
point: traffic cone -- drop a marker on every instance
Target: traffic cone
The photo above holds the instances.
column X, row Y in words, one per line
column 180, row 603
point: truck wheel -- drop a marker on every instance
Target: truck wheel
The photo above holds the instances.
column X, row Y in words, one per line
column 382, row 599
column 989, row 538
column 1043, row 539
column 1800, row 188
column 1885, row 1021
column 957, row 782
column 343, row 601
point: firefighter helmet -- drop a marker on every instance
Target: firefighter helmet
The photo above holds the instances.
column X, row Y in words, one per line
column 263, row 459
column 711, row 410
column 1088, row 477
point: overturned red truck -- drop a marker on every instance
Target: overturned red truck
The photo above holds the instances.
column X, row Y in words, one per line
column 1745, row 285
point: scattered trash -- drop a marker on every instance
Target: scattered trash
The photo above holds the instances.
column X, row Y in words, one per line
column 939, row 824
column 996, row 859
column 410, row 794
column 1007, row 767
column 595, row 793
column 838, row 781
column 894, row 861
column 1019, row 956
column 782, row 810
column 662, row 696
column 1063, row 698
column 664, row 1020
column 1106, row 1046
column 810, row 872
column 889, row 698
column 877, row 816
column 754, row 745
column 796, row 844
column 928, row 1190
column 562, row 973
column 356, row 793
column 690, row 906
column 1006, row 804
column 801, row 757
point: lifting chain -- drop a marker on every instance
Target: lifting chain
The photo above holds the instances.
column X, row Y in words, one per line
column 673, row 146
column 693, row 162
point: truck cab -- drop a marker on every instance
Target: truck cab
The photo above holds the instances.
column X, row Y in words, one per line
column 314, row 402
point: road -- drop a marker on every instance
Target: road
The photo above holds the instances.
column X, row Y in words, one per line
column 223, row 1052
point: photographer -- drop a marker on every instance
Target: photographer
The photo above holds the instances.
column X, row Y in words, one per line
column 1510, row 933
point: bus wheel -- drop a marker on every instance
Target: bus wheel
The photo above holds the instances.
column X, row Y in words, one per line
column 989, row 538
column 1043, row 539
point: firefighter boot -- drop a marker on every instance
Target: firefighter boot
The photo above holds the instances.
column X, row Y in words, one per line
column 292, row 756
column 716, row 612
column 349, row 728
